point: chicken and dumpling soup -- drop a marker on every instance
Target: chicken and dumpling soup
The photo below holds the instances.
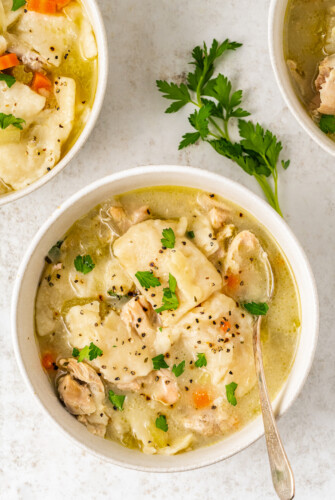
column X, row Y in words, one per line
column 143, row 323
column 48, row 73
column 309, row 47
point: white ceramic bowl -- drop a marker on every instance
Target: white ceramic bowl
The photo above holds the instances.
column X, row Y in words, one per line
column 28, row 278
column 276, row 46
column 95, row 17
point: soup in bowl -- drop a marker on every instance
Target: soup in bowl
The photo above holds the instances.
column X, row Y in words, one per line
column 141, row 317
column 52, row 80
column 302, row 48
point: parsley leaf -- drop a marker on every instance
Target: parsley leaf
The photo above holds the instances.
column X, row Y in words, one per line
column 84, row 264
column 54, row 252
column 17, row 4
column 75, row 352
column 216, row 104
column 6, row 120
column 161, row 423
column 230, row 392
column 9, row 79
column 259, row 309
column 88, row 352
column 169, row 238
column 179, row 369
column 190, row 234
column 159, row 362
column 201, row 361
column 177, row 93
column 117, row 400
column 170, row 299
column 147, row 279
column 327, row 124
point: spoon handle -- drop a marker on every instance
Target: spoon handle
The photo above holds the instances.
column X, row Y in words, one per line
column 282, row 475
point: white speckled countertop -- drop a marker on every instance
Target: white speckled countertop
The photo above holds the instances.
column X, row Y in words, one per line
column 151, row 39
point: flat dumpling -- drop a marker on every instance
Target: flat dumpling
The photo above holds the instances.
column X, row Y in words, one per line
column 248, row 275
column 140, row 249
column 222, row 331
column 107, row 275
column 123, row 358
column 48, row 35
column 41, row 143
column 204, row 236
column 20, row 101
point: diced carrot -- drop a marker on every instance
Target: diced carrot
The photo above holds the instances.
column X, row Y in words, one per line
column 8, row 61
column 232, row 281
column 201, row 399
column 62, row 3
column 42, row 6
column 41, row 82
column 225, row 326
column 48, row 361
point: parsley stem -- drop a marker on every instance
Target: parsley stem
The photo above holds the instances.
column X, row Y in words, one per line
column 213, row 122
column 270, row 195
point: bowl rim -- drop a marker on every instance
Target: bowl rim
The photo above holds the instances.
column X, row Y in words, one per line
column 172, row 171
column 276, row 18
column 101, row 38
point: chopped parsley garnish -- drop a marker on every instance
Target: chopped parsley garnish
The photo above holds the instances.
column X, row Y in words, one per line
column 114, row 294
column 160, row 329
column 147, row 279
column 161, row 423
column 84, row 264
column 169, row 238
column 9, row 79
column 158, row 362
column 259, row 309
column 327, row 124
column 190, row 234
column 17, row 4
column 201, row 361
column 216, row 103
column 117, row 400
column 230, row 392
column 88, row 352
column 170, row 299
column 178, row 369
column 6, row 120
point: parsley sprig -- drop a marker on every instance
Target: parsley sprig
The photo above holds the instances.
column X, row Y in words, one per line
column 6, row 120
column 88, row 352
column 257, row 152
column 170, row 299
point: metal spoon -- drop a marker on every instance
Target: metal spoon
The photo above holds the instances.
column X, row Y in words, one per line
column 282, row 475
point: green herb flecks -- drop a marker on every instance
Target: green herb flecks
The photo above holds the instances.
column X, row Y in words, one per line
column 177, row 370
column 9, row 79
column 6, row 120
column 230, row 392
column 257, row 309
column 201, row 361
column 89, row 352
column 161, row 423
column 117, row 400
column 257, row 151
column 84, row 264
column 159, row 362
column 147, row 279
column 169, row 238
column 327, row 124
column 17, row 4
column 170, row 299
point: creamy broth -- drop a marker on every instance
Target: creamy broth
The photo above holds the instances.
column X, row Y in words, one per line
column 201, row 412
column 309, row 37
column 55, row 66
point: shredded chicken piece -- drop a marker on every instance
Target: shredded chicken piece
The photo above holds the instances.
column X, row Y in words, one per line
column 160, row 385
column 83, row 394
column 123, row 221
column 28, row 57
column 138, row 314
column 141, row 214
column 218, row 217
column 209, row 422
column 325, row 85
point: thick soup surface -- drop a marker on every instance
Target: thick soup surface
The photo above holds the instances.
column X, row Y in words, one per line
column 142, row 320
column 48, row 78
column 309, row 47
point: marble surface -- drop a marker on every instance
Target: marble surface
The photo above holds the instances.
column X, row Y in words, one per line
column 151, row 39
